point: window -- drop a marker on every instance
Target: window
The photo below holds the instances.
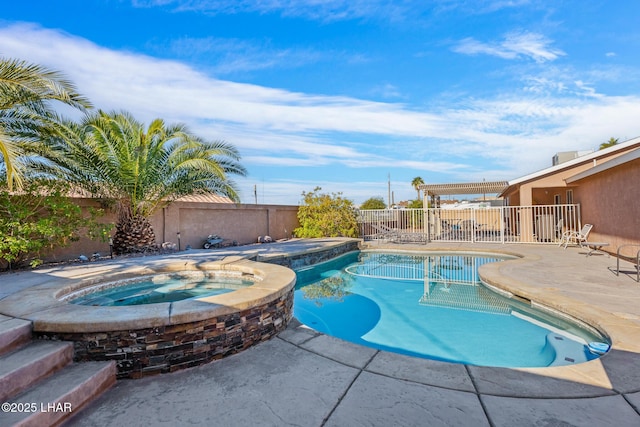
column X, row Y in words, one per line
column 569, row 197
column 556, row 199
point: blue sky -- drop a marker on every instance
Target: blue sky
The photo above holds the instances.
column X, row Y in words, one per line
column 345, row 94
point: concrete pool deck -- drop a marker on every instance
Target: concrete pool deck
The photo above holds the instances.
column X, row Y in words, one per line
column 305, row 378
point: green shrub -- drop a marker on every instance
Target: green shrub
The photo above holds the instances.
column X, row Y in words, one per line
column 415, row 204
column 326, row 215
column 40, row 218
column 373, row 203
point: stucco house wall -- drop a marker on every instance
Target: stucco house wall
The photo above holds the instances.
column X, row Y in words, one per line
column 610, row 200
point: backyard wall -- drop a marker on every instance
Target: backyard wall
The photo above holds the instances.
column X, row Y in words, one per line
column 195, row 221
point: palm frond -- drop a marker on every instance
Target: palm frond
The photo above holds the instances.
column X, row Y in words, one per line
column 25, row 92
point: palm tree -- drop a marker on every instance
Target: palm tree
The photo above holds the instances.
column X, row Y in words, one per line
column 416, row 183
column 25, row 90
column 112, row 156
column 610, row 143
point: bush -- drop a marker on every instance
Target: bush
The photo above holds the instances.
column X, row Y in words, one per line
column 373, row 203
column 415, row 204
column 326, row 215
column 40, row 218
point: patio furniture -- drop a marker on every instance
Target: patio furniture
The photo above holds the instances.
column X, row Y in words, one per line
column 398, row 236
column 385, row 232
column 575, row 237
column 467, row 230
column 594, row 247
column 637, row 261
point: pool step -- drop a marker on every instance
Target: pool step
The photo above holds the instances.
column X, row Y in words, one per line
column 39, row 380
column 31, row 363
column 13, row 333
column 62, row 395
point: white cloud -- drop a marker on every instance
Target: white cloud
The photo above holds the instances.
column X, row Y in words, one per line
column 359, row 191
column 323, row 10
column 388, row 91
column 233, row 55
column 339, row 10
column 513, row 46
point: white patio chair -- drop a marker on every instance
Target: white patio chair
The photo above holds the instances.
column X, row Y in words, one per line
column 575, row 237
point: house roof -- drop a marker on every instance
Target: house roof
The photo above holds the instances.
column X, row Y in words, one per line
column 625, row 158
column 196, row 198
column 593, row 157
column 205, row 198
column 484, row 187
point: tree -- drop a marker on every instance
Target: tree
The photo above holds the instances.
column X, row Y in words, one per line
column 416, row 183
column 25, row 92
column 415, row 204
column 331, row 288
column 326, row 215
column 373, row 203
column 40, row 218
column 114, row 157
column 610, row 143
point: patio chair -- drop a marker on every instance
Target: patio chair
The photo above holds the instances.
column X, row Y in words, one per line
column 575, row 237
column 637, row 264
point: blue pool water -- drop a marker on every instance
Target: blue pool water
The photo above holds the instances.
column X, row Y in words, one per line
column 158, row 289
column 433, row 307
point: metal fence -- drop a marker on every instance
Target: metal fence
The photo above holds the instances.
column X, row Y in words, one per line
column 542, row 224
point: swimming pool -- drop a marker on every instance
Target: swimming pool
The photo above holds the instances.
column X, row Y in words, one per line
column 434, row 306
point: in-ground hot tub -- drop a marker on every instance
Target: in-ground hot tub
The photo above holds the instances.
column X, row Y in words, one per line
column 159, row 337
column 165, row 287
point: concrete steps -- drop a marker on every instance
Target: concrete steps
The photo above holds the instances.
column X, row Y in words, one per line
column 40, row 382
column 30, row 363
column 13, row 333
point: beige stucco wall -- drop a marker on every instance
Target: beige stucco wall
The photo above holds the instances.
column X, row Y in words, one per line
column 242, row 223
column 195, row 221
column 610, row 200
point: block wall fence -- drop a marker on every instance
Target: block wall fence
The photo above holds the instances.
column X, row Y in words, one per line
column 195, row 221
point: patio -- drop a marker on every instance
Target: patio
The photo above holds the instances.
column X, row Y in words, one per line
column 305, row 378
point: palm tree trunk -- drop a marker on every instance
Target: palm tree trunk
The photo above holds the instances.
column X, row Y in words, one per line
column 133, row 233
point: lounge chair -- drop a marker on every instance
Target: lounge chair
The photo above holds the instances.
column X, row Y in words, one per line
column 385, row 232
column 575, row 237
column 397, row 236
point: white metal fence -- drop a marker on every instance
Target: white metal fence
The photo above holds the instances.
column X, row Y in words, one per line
column 542, row 224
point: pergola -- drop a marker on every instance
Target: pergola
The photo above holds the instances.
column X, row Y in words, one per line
column 484, row 187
